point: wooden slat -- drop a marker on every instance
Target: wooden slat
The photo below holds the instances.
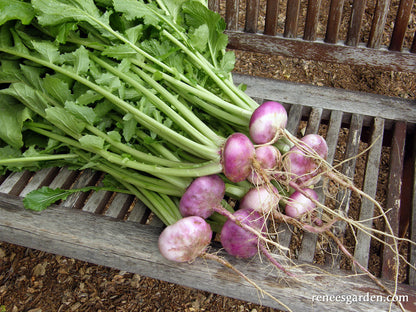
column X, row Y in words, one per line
column 379, row 21
column 348, row 169
column 272, row 16
column 400, row 25
column 308, row 246
column 382, row 59
column 133, row 247
column 294, row 116
column 76, row 200
column 334, row 21
column 119, row 205
column 231, row 14
column 214, row 5
column 252, row 14
column 64, row 178
column 356, row 19
column 412, row 257
column 394, row 194
column 15, row 182
column 292, row 19
column 139, row 213
column 332, row 134
column 312, row 19
column 40, row 178
column 97, row 201
column 362, row 249
column 356, row 22
column 329, row 99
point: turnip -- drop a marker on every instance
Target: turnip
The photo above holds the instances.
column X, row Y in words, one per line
column 185, row 240
column 237, row 156
column 263, row 199
column 298, row 204
column 302, row 162
column 266, row 121
column 268, row 158
column 239, row 242
column 202, row 197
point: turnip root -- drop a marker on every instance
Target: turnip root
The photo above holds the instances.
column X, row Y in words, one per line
column 268, row 158
column 185, row 240
column 202, row 196
column 302, row 162
column 239, row 242
column 263, row 199
column 266, row 121
column 237, row 156
column 298, row 204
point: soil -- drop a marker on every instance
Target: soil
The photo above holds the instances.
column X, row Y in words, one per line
column 36, row 281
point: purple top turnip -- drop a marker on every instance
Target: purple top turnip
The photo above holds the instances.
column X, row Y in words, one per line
column 302, row 163
column 298, row 204
column 238, row 241
column 262, row 199
column 266, row 120
column 237, row 156
column 202, row 196
column 185, row 240
column 268, row 157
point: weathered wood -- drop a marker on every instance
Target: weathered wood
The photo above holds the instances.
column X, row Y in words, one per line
column 379, row 21
column 252, row 14
column 64, row 178
column 97, row 201
column 292, row 19
column 334, row 21
column 119, row 205
column 15, row 182
column 400, row 25
column 231, row 14
column 308, row 245
column 133, row 247
column 39, row 179
column 382, row 59
column 87, row 178
column 139, row 212
column 312, row 20
column 330, row 99
column 272, row 11
column 356, row 19
column 394, row 187
column 285, row 231
column 214, row 5
column 362, row 249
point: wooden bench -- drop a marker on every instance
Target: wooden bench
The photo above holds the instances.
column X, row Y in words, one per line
column 118, row 231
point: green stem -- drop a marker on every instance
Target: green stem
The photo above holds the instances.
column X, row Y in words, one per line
column 201, row 132
column 151, row 124
column 31, row 159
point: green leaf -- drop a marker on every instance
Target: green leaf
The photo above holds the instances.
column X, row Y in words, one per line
column 41, row 199
column 68, row 123
column 47, row 50
column 12, row 116
column 120, row 51
column 82, row 61
column 200, row 37
column 82, row 112
column 133, row 9
column 197, row 14
column 16, row 10
column 92, row 141
column 57, row 88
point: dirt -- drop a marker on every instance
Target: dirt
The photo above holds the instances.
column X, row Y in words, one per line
column 36, row 281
